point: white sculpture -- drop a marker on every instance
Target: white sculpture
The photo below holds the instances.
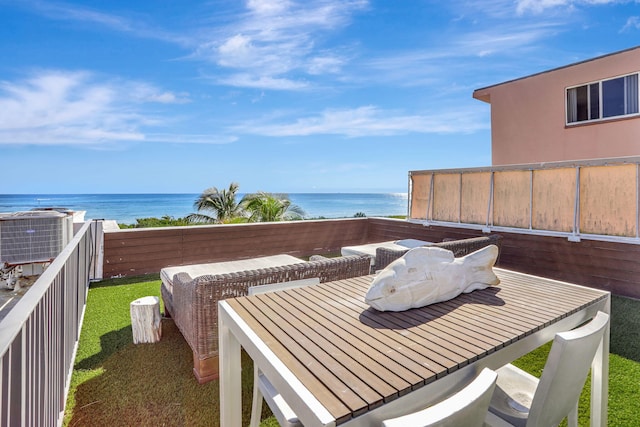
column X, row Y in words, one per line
column 427, row 275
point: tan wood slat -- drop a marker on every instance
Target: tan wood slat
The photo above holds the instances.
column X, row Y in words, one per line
column 537, row 296
column 386, row 326
column 473, row 309
column 351, row 346
column 429, row 321
column 538, row 289
column 347, row 340
column 351, row 359
column 422, row 324
column 356, row 396
column 285, row 352
column 381, row 346
column 550, row 284
column 562, row 297
column 528, row 310
column 398, row 321
column 509, row 328
column 546, row 290
column 378, row 334
column 536, row 306
column 479, row 333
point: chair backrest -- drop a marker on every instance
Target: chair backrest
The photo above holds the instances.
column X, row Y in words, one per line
column 466, row 408
column 460, row 248
column 565, row 372
column 272, row 287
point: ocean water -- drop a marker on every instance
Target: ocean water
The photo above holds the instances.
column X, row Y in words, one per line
column 126, row 208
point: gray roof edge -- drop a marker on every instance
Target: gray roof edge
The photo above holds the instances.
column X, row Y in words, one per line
column 559, row 68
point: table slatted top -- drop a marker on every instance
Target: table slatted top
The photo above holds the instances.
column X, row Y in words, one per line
column 354, row 358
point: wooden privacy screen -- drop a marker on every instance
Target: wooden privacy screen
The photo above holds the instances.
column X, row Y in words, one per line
column 586, row 198
column 608, row 200
column 554, row 192
column 511, row 196
column 446, row 197
column 420, row 185
column 476, row 190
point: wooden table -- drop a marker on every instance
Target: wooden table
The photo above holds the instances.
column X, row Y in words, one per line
column 338, row 362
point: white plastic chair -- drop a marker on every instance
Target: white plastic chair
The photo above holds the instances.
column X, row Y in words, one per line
column 466, row 408
column 262, row 388
column 521, row 399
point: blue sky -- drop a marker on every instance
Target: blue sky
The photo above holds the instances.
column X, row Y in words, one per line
column 280, row 96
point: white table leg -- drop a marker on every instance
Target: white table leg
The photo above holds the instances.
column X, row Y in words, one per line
column 230, row 376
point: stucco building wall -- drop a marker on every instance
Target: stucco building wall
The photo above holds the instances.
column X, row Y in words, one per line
column 528, row 115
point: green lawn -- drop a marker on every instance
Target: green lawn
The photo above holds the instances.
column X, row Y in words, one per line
column 117, row 383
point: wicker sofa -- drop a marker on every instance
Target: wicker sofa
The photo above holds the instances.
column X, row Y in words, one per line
column 193, row 302
column 460, row 248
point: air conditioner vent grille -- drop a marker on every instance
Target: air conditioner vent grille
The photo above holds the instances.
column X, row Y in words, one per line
column 29, row 237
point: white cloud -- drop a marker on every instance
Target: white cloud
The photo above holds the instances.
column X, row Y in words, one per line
column 190, row 138
column 372, row 121
column 52, row 99
column 504, row 38
column 69, row 12
column 144, row 92
column 279, row 41
column 457, row 60
column 262, row 82
column 73, row 108
column 168, row 98
column 539, row 6
column 325, row 65
column 633, row 23
column 268, row 7
column 236, row 51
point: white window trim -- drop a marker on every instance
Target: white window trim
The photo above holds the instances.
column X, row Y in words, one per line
column 601, row 119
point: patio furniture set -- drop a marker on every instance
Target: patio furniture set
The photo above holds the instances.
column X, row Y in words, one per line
column 191, row 292
column 335, row 361
column 322, row 357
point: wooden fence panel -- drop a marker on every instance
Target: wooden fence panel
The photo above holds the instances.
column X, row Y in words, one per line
column 554, row 195
column 608, row 200
column 446, row 197
column 595, row 198
column 420, row 187
column 476, row 190
column 511, row 199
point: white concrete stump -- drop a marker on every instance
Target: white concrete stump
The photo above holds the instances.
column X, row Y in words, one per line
column 145, row 320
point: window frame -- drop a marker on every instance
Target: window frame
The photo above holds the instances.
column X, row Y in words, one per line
column 600, row 101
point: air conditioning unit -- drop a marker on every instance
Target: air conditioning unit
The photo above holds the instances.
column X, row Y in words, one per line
column 33, row 237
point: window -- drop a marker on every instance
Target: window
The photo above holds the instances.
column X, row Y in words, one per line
column 604, row 99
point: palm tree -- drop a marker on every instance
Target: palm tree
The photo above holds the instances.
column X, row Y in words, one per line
column 268, row 207
column 215, row 206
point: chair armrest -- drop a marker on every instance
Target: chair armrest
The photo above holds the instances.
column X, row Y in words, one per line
column 183, row 297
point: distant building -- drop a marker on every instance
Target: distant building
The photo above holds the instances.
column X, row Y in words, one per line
column 586, row 110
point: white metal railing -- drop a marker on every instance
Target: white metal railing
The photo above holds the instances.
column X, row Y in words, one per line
column 39, row 337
